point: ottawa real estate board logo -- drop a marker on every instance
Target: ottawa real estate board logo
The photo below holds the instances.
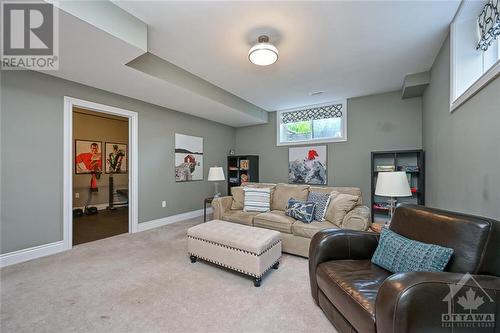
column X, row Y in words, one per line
column 30, row 38
column 469, row 306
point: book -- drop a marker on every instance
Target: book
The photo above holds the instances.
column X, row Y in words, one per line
column 385, row 168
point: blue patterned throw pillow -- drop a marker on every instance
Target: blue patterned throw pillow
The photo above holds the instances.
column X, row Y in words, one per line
column 399, row 254
column 322, row 200
column 299, row 210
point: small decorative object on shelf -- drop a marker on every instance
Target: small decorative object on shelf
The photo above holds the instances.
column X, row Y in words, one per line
column 244, row 179
column 375, row 227
column 232, row 152
column 244, row 164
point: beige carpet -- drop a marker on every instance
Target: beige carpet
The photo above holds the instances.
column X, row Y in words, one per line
column 145, row 283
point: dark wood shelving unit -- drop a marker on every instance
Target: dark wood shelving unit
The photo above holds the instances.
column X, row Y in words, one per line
column 238, row 168
column 400, row 159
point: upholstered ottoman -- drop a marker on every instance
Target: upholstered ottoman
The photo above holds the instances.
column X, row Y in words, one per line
column 248, row 250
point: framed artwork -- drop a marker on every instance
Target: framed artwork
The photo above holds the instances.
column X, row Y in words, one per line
column 188, row 158
column 88, row 157
column 307, row 165
column 116, row 157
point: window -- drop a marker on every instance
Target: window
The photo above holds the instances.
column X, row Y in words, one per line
column 313, row 124
column 475, row 52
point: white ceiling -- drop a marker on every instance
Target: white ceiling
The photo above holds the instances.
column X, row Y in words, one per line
column 345, row 48
column 93, row 57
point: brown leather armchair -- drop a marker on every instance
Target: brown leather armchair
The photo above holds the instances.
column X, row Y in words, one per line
column 358, row 296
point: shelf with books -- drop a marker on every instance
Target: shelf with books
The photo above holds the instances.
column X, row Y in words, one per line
column 410, row 161
column 242, row 169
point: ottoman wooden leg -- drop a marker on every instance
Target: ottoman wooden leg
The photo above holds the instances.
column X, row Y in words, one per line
column 257, row 281
column 276, row 265
column 193, row 258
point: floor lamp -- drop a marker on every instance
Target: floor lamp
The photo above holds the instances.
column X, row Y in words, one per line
column 392, row 185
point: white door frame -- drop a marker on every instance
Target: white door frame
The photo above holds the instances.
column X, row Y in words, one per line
column 69, row 103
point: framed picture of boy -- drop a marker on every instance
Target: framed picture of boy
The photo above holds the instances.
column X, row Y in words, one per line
column 88, row 157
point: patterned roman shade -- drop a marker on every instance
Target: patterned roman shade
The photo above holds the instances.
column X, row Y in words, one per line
column 488, row 24
column 321, row 112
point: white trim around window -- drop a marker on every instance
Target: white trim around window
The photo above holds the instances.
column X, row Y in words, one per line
column 465, row 15
column 486, row 78
column 313, row 141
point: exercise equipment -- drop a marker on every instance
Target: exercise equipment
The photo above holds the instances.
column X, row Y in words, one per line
column 92, row 210
column 112, row 194
column 77, row 212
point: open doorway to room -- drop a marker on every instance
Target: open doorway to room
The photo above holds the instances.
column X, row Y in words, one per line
column 84, row 191
column 100, row 175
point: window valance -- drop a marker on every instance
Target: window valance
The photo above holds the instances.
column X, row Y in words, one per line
column 488, row 24
column 316, row 113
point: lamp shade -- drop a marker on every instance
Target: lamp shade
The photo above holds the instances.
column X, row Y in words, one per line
column 216, row 174
column 392, row 184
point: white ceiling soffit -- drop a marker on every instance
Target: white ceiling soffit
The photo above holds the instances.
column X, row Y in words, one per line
column 157, row 67
column 95, row 53
column 344, row 48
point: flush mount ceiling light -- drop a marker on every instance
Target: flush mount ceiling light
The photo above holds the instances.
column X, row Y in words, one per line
column 263, row 53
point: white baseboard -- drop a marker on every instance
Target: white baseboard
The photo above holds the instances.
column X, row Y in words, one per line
column 35, row 252
column 31, row 253
column 171, row 219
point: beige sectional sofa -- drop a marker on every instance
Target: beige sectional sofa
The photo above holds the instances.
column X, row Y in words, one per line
column 344, row 211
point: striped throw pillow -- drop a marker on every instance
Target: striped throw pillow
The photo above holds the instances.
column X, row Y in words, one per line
column 257, row 199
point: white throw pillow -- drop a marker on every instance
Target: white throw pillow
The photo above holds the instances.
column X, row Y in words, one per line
column 257, row 199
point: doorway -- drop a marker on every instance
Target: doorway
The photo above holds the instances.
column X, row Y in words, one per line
column 100, row 175
column 100, row 171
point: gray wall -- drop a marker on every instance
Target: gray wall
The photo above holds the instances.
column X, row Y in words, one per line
column 377, row 122
column 463, row 147
column 32, row 159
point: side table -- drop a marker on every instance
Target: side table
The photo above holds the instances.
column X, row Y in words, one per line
column 205, row 202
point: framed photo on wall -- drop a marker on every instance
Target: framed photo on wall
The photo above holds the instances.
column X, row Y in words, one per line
column 307, row 165
column 188, row 158
column 88, row 156
column 116, row 157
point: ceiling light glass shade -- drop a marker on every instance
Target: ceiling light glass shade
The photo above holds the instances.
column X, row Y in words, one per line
column 263, row 53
